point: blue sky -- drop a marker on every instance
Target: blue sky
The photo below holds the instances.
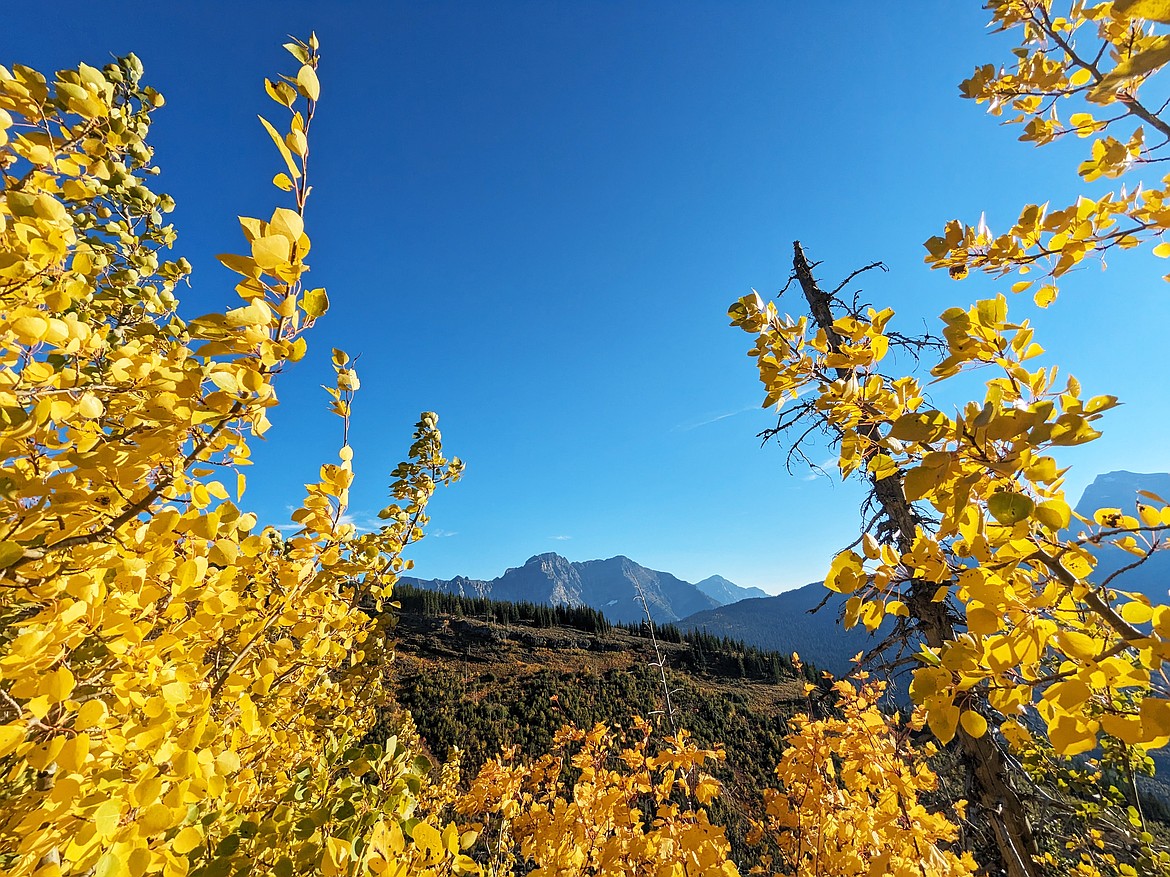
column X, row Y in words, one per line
column 532, row 216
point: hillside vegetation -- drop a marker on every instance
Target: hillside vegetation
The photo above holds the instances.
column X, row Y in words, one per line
column 484, row 676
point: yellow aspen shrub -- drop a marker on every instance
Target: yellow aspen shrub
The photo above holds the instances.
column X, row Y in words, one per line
column 601, row 804
column 181, row 691
column 850, row 802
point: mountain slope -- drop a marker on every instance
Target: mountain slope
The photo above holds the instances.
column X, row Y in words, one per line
column 485, row 676
column 785, row 624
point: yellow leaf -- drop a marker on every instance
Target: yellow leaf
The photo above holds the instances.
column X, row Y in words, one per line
column 1071, row 735
column 156, row 819
column 10, row 552
column 1155, row 716
column 881, row 467
column 1136, row 613
column 1079, row 78
column 297, row 143
column 944, row 721
column 30, row 330
column 1054, row 514
column 981, row 620
column 451, row 838
column 1145, row 61
column 315, row 303
column 284, row 153
column 287, row 223
column 1127, row 729
column 186, row 840
column 310, row 86
column 226, row 381
column 897, row 607
column 91, row 714
column 58, row 685
column 973, row 723
column 1044, row 296
column 334, row 856
column 271, row 251
column 74, row 753
column 706, row 790
column 227, row 763
column 427, row 838
column 239, row 264
column 106, row 817
column 90, row 406
column 1154, row 10
column 11, row 736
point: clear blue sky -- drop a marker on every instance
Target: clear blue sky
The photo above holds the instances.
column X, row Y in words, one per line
column 532, row 216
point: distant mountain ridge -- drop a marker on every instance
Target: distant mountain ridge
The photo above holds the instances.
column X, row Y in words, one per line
column 1119, row 490
column 781, row 623
column 610, row 586
column 787, row 623
column 724, row 592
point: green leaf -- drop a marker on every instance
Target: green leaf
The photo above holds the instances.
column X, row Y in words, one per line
column 1010, row 508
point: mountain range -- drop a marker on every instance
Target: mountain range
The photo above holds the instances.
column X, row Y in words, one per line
column 784, row 623
column 614, row 586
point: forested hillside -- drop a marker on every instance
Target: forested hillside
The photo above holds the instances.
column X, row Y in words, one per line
column 484, row 676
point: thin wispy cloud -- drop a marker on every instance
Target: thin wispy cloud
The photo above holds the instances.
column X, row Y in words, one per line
column 560, row 538
column 826, row 469
column 443, row 534
column 687, row 427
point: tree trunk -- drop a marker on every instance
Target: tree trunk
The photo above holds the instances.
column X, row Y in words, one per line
column 982, row 759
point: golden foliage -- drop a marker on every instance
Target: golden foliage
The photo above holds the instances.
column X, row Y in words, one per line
column 988, row 534
column 850, row 799
column 179, row 689
column 598, row 806
column 1080, row 70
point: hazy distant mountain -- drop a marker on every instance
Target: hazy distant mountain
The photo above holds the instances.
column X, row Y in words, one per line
column 608, row 585
column 723, row 592
column 1118, row 490
column 783, row 624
